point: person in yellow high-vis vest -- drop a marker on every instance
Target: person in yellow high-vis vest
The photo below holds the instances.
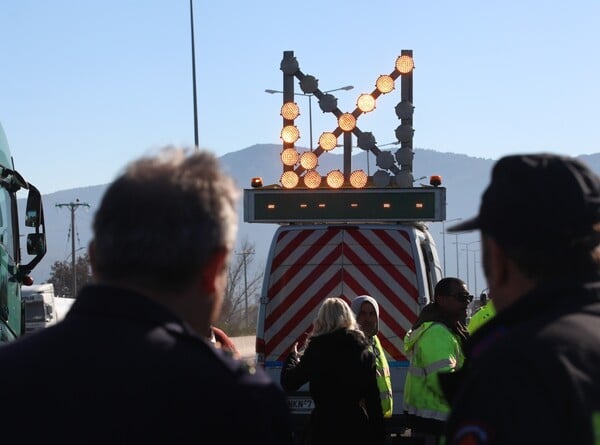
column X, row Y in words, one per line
column 434, row 345
column 366, row 310
column 482, row 316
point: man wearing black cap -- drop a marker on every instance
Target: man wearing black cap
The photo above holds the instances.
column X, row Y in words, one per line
column 533, row 371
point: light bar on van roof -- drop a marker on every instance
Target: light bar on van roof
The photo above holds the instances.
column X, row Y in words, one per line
column 344, row 205
column 300, row 170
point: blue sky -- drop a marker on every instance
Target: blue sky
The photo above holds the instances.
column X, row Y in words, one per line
column 88, row 85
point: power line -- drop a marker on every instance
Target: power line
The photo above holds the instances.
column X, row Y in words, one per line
column 73, row 207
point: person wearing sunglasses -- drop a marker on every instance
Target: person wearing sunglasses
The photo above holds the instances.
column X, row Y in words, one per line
column 434, row 345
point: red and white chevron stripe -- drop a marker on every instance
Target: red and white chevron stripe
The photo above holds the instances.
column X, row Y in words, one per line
column 310, row 265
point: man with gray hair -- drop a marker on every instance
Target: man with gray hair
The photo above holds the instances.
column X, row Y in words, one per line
column 131, row 363
column 532, row 372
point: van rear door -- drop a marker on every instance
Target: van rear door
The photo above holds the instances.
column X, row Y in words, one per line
column 310, row 263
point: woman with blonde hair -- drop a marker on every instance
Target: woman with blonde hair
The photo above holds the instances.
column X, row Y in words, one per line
column 339, row 367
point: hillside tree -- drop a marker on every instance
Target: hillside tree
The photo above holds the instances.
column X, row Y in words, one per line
column 61, row 275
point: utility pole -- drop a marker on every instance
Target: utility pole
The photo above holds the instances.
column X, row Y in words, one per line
column 73, row 206
column 245, row 254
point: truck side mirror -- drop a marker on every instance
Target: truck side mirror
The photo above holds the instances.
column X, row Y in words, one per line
column 36, row 244
column 33, row 212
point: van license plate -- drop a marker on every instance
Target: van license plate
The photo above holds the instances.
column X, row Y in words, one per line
column 300, row 404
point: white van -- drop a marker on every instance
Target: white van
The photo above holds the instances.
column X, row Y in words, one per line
column 397, row 264
column 39, row 306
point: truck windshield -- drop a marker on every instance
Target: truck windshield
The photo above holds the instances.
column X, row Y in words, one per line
column 34, row 311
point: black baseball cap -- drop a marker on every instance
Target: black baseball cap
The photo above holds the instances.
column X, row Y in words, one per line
column 538, row 200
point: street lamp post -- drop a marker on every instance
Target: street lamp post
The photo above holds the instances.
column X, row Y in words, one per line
column 195, row 95
column 475, row 262
column 310, row 96
column 457, row 263
column 444, row 241
column 468, row 250
column 468, row 280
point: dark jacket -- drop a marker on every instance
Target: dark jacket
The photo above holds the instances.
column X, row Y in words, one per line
column 340, row 369
column 533, row 372
column 123, row 369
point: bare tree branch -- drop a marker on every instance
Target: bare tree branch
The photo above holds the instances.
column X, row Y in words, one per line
column 242, row 280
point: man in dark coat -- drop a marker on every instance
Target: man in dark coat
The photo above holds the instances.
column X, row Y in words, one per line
column 129, row 364
column 533, row 372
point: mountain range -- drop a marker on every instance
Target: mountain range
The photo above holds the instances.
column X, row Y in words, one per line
column 464, row 177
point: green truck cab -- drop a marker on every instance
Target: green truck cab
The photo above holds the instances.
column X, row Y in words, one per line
column 13, row 273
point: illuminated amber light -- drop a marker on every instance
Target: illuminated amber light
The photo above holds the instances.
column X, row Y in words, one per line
column 312, row 179
column 289, row 180
column 303, row 206
column 435, row 180
column 289, row 157
column 321, row 206
column 354, row 205
column 358, row 179
column 308, row 160
column 270, row 206
column 328, row 141
column 347, row 122
column 387, row 205
column 384, row 84
column 365, row 103
column 335, row 179
column 290, row 134
column 405, row 64
column 290, row 111
column 419, row 205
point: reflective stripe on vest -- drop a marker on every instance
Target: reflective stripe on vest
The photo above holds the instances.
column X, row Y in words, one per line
column 432, row 367
column 384, row 381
